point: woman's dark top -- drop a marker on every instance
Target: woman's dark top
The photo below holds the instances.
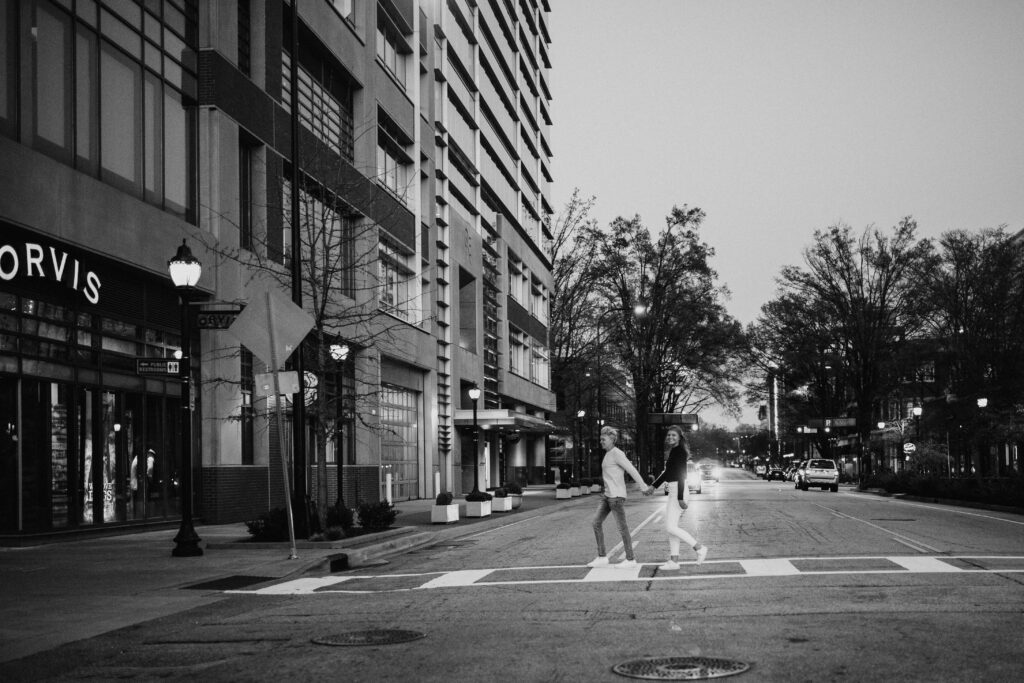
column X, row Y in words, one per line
column 675, row 469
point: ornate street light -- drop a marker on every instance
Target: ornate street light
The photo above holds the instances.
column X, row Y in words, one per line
column 185, row 270
column 474, row 395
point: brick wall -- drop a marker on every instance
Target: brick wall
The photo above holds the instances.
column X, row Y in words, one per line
column 233, row 494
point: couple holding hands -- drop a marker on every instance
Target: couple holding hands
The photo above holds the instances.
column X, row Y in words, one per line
column 614, row 467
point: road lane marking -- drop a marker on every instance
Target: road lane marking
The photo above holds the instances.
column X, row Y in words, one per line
column 895, row 535
column 618, row 547
column 909, row 545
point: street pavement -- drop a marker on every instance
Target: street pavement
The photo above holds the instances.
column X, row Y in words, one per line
column 65, row 591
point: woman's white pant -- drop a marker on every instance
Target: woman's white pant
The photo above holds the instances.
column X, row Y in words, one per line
column 672, row 513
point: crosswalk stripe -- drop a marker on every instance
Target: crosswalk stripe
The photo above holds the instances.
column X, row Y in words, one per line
column 925, row 565
column 463, row 577
column 689, row 571
column 768, row 567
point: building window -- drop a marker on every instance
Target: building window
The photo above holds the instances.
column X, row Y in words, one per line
column 395, row 280
column 394, row 165
column 247, row 147
column 244, row 37
column 327, row 225
column 392, row 49
column 539, row 364
column 518, row 351
column 345, row 9
column 325, row 105
column 8, row 67
column 247, row 413
column 518, row 280
column 135, row 65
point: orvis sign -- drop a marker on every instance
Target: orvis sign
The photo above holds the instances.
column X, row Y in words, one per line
column 34, row 260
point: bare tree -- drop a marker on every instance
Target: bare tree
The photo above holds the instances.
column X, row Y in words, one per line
column 355, row 282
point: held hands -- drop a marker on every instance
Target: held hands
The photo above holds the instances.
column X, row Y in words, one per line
column 648, row 491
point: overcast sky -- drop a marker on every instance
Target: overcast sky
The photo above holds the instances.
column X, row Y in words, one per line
column 778, row 118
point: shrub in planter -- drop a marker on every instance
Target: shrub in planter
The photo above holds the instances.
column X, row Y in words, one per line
column 478, row 497
column 444, row 498
column 377, row 516
column 340, row 516
column 586, row 483
column 334, row 533
column 270, row 526
column 514, row 489
column 563, row 485
column 500, row 492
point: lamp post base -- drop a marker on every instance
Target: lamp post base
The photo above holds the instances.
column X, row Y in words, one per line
column 186, row 543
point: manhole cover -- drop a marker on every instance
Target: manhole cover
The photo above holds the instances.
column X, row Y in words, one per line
column 680, row 668
column 376, row 637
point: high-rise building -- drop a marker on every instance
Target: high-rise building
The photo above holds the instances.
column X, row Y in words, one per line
column 422, row 159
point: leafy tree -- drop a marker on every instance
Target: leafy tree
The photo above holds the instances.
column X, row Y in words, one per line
column 667, row 325
column 858, row 298
column 975, row 299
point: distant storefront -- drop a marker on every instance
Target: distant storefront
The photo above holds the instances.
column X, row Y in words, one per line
column 85, row 440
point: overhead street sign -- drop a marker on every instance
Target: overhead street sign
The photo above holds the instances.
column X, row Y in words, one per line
column 217, row 316
column 831, row 422
column 909, row 447
column 158, row 366
column 672, row 418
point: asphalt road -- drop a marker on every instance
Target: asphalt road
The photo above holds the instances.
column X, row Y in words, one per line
column 799, row 586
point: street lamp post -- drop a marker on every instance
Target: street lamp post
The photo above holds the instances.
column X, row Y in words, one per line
column 638, row 311
column 339, row 354
column 474, row 395
column 580, row 414
column 185, row 270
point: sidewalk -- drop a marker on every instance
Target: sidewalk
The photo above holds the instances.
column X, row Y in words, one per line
column 62, row 592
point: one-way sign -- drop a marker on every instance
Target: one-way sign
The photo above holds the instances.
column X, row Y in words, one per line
column 157, row 366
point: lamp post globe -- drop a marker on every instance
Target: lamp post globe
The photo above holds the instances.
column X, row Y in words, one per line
column 185, row 270
column 474, row 396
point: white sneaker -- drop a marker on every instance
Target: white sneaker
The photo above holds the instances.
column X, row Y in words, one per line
column 626, row 564
column 670, row 566
column 600, row 561
column 701, row 554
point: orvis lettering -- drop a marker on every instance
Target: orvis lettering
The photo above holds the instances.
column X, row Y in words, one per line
column 31, row 261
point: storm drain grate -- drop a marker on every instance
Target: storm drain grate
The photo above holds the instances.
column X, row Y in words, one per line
column 374, row 637
column 229, row 583
column 680, row 668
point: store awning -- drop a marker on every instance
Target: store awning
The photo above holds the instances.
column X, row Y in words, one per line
column 507, row 420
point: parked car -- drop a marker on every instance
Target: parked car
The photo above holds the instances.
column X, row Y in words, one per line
column 775, row 472
column 760, row 470
column 791, row 472
column 820, row 472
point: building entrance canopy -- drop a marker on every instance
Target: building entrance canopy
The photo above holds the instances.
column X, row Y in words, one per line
column 505, row 419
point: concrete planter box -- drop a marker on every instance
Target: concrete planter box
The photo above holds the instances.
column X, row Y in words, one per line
column 501, row 504
column 444, row 514
column 596, row 488
column 584, row 490
column 574, row 491
column 478, row 508
column 562, row 493
column 517, row 500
